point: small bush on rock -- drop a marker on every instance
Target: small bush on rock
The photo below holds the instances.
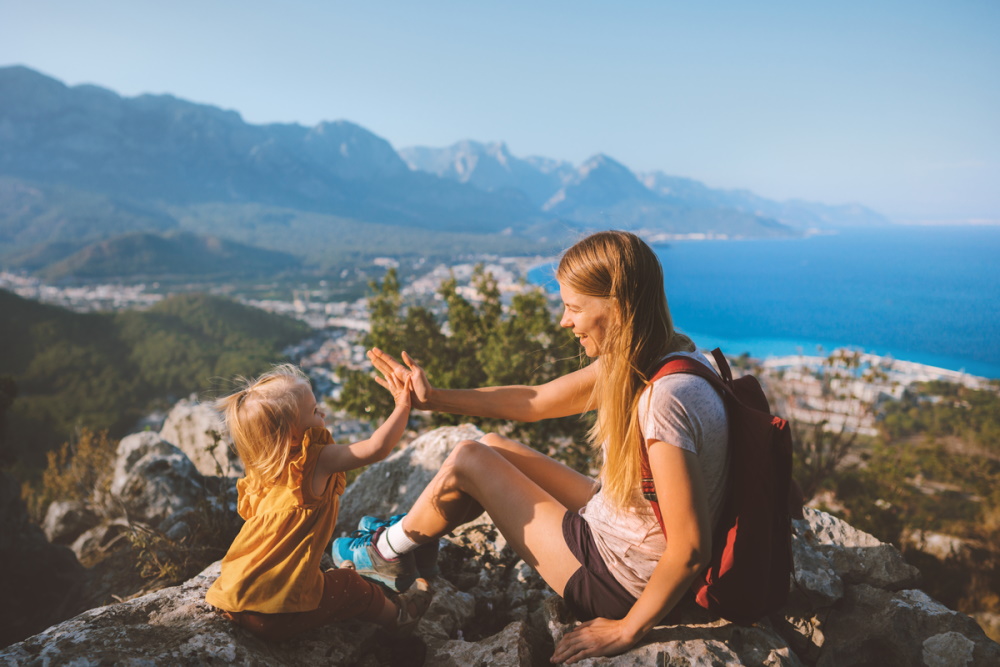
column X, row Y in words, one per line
column 73, row 472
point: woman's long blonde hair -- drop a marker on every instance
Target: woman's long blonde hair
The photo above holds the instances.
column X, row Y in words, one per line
column 261, row 417
column 619, row 266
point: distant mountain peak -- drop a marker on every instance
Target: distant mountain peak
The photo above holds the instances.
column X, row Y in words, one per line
column 599, row 182
column 159, row 151
column 601, row 161
column 164, row 150
column 487, row 166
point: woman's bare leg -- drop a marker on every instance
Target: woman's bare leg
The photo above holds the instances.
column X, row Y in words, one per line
column 566, row 485
column 530, row 518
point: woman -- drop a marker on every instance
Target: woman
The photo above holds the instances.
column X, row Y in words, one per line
column 597, row 544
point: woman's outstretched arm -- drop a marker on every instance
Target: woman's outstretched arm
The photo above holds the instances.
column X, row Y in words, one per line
column 564, row 396
column 684, row 503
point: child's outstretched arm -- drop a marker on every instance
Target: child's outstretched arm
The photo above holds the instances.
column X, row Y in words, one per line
column 337, row 458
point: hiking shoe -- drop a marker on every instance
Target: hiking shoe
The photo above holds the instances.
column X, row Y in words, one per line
column 425, row 556
column 358, row 552
column 373, row 523
column 411, row 606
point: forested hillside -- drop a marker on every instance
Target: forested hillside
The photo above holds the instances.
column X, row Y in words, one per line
column 105, row 371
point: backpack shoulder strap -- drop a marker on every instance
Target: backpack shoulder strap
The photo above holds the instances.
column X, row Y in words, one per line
column 722, row 380
column 682, row 364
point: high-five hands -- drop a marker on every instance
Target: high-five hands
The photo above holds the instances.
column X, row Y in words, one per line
column 420, row 387
column 399, row 387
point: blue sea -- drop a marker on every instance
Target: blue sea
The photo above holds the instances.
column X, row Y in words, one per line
column 930, row 295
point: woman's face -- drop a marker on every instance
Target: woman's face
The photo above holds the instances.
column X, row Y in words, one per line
column 590, row 318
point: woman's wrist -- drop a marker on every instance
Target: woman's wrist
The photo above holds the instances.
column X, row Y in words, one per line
column 633, row 631
column 632, row 636
column 430, row 401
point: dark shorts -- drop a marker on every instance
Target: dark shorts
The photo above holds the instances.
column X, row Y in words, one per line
column 592, row 591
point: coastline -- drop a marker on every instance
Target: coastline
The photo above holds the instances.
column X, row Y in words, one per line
column 515, row 273
column 775, row 352
column 926, row 302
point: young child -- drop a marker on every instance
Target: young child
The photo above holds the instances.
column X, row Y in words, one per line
column 271, row 582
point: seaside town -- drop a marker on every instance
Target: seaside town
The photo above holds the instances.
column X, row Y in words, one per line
column 838, row 389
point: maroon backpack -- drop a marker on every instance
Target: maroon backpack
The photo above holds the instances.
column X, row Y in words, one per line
column 748, row 574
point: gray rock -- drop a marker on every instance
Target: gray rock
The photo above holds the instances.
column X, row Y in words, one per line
column 509, row 648
column 851, row 604
column 66, row 520
column 450, row 611
column 939, row 545
column 92, row 544
column 814, row 576
column 153, row 479
column 175, row 626
column 197, row 430
column 393, row 485
column 698, row 640
column 856, row 556
column 902, row 628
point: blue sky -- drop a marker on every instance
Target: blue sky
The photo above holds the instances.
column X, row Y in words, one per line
column 895, row 105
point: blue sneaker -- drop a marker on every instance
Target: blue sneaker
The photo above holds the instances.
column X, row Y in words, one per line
column 373, row 523
column 358, row 552
column 425, row 556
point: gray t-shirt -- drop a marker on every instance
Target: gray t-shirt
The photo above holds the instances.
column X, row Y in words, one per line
column 684, row 411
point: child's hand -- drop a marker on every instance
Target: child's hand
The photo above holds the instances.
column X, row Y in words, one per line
column 420, row 387
column 398, row 387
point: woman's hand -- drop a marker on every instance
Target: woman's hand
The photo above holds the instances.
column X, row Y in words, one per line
column 420, row 387
column 601, row 636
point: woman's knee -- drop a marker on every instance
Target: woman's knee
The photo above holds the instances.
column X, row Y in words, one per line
column 468, row 457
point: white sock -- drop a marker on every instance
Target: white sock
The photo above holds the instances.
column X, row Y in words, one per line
column 394, row 542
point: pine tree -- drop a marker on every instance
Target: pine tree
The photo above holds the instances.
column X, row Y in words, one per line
column 475, row 343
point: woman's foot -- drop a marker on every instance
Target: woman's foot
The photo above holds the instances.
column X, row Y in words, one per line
column 358, row 552
column 425, row 556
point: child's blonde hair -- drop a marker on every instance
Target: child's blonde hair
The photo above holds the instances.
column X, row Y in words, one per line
column 261, row 417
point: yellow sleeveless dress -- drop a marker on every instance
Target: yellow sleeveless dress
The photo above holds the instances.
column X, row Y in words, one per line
column 273, row 564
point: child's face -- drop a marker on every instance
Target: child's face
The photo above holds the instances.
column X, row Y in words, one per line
column 310, row 414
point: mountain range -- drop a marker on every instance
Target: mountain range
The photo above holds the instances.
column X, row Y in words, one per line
column 83, row 165
column 602, row 191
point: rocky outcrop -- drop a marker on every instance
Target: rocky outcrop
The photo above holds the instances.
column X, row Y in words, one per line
column 174, row 626
column 393, row 485
column 853, row 602
column 152, row 483
column 66, row 520
column 153, row 480
column 197, row 430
